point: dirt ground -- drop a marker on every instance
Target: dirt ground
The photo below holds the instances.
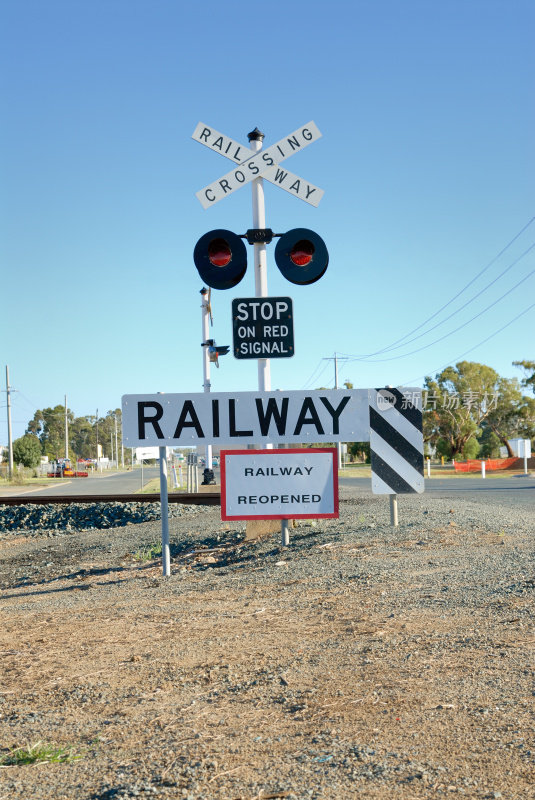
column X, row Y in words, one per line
column 261, row 680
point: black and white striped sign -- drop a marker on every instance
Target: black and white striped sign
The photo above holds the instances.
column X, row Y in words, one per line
column 396, row 441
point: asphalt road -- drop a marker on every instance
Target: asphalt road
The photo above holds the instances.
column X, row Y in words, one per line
column 507, row 490
column 108, row 484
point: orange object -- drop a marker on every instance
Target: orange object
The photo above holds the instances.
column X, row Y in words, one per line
column 474, row 464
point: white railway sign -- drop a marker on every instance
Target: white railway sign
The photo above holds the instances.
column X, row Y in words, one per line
column 263, row 164
column 242, row 418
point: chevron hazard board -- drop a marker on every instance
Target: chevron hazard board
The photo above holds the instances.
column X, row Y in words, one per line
column 396, row 441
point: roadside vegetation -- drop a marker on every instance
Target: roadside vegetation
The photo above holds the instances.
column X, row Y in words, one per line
column 38, row 753
column 469, row 411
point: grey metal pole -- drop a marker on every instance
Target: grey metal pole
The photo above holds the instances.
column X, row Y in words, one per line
column 66, row 431
column 338, row 444
column 285, row 533
column 166, row 554
column 116, row 448
column 9, row 433
column 393, row 509
column 97, row 440
column 205, row 306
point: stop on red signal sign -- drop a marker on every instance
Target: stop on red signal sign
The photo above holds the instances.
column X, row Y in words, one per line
column 262, row 327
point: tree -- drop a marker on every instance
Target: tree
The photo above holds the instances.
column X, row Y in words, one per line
column 490, row 444
column 529, row 367
column 27, row 451
column 82, row 437
column 461, row 398
column 49, row 427
column 505, row 417
column 359, row 451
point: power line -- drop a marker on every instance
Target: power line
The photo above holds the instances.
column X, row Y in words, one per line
column 483, row 341
column 315, row 377
column 453, row 313
column 436, row 313
column 446, row 335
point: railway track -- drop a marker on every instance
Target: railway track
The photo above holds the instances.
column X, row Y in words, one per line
column 201, row 499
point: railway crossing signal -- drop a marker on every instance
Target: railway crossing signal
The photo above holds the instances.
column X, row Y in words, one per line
column 221, row 258
column 301, row 256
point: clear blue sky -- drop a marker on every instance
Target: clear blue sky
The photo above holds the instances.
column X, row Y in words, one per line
column 426, row 159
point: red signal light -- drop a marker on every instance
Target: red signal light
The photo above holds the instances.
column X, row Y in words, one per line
column 219, row 253
column 221, row 258
column 301, row 256
column 302, row 252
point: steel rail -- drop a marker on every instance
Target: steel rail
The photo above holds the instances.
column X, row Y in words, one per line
column 201, row 499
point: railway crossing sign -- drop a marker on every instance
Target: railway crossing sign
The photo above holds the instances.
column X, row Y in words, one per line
column 262, row 327
column 262, row 164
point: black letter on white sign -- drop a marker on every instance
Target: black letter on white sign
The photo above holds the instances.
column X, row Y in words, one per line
column 308, row 405
column 335, row 412
column 232, row 420
column 272, row 412
column 142, row 420
column 188, row 408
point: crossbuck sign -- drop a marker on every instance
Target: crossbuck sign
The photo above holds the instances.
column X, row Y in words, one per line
column 263, row 164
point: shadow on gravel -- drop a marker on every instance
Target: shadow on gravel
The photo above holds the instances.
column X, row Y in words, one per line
column 81, row 574
column 77, row 587
column 232, row 550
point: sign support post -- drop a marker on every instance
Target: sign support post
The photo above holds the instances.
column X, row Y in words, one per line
column 166, row 555
column 256, row 138
column 285, row 533
column 394, row 510
column 205, row 306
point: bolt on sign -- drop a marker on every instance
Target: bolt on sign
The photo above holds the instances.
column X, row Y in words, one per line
column 262, row 327
column 279, row 484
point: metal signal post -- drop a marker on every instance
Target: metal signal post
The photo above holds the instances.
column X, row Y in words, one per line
column 206, row 313
column 260, row 256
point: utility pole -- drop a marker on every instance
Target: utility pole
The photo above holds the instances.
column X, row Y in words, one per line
column 9, row 433
column 66, row 431
column 116, row 448
column 338, row 444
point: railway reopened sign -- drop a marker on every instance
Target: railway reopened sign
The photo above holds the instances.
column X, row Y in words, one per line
column 279, row 484
column 262, row 327
column 242, row 418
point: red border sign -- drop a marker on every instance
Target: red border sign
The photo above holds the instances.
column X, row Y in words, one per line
column 305, row 453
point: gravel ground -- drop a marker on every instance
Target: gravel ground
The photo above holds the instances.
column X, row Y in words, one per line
column 362, row 661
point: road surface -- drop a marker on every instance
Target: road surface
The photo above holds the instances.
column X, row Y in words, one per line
column 518, row 490
column 108, row 484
